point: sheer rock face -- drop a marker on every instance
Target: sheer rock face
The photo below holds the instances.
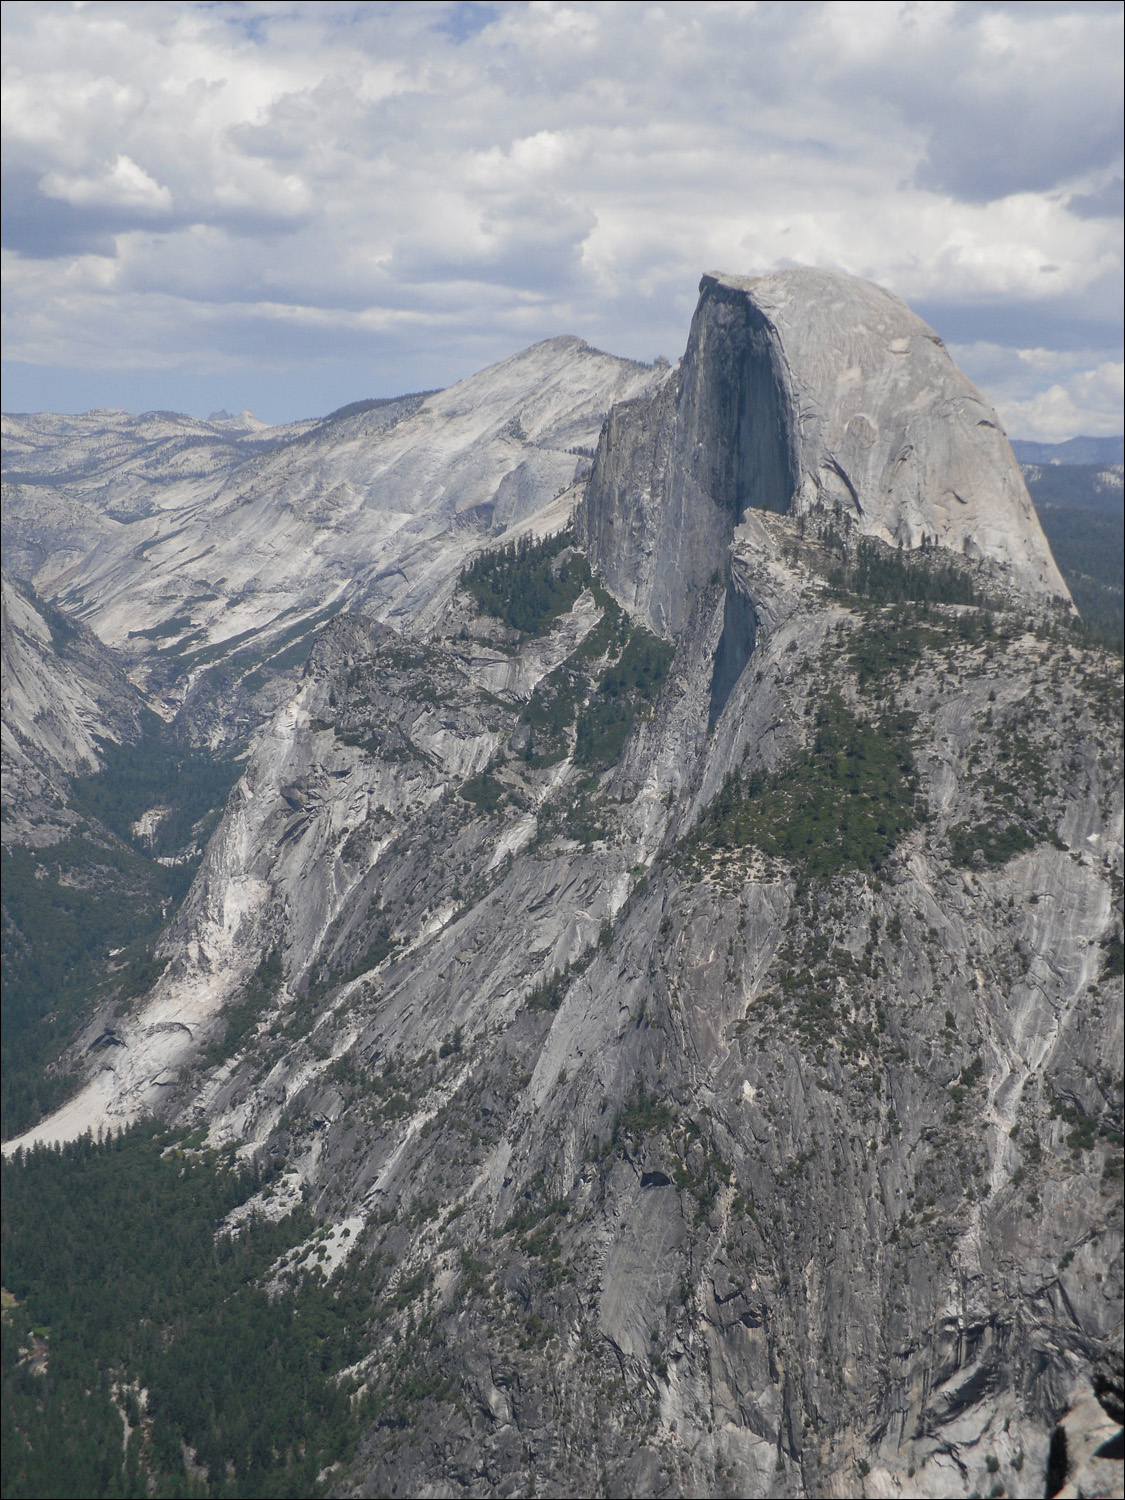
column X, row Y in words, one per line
column 63, row 691
column 799, row 392
column 210, row 539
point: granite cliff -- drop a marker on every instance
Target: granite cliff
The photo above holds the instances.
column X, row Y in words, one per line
column 64, row 691
column 805, row 393
column 693, row 1011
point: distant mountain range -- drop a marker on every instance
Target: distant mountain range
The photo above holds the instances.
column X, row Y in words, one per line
column 1076, row 450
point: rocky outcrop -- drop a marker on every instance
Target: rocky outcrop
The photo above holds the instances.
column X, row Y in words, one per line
column 63, row 692
column 1084, row 1459
column 804, row 393
column 827, row 1196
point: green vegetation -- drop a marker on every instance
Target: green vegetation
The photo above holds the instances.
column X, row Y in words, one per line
column 1086, row 1131
column 993, row 843
column 694, row 1165
column 603, row 728
column 80, row 920
column 893, row 642
column 241, row 1016
column 643, row 1115
column 81, row 917
column 125, row 1282
column 1090, row 552
column 162, row 631
column 295, row 655
column 1113, row 960
column 842, row 804
column 628, row 686
column 381, row 944
column 527, row 584
column 533, row 1227
column 156, row 773
column 1015, row 796
column 882, row 574
column 967, row 1080
column 614, row 675
column 549, row 713
column 483, row 791
column 825, row 995
column 888, row 647
column 549, row 995
column 407, row 403
column 1077, row 486
column 578, row 811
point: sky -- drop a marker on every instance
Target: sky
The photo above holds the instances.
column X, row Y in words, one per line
column 286, row 207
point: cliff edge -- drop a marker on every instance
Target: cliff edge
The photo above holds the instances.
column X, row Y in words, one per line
column 805, row 392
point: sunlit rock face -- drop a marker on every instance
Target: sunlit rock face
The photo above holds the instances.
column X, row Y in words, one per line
column 716, row 1176
column 178, row 541
column 804, row 392
column 63, row 693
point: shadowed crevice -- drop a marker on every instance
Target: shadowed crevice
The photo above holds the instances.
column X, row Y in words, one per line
column 736, row 645
column 1057, row 1463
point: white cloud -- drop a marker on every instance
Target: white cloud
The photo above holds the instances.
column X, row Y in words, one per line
column 1089, row 403
column 1048, row 394
column 122, row 185
column 435, row 185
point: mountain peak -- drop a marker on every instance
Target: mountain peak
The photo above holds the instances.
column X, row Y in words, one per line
column 806, row 392
column 883, row 425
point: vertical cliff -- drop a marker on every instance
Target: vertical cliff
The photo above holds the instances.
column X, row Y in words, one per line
column 806, row 393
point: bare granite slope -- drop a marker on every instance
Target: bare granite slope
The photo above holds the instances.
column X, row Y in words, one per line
column 805, row 392
column 63, row 692
column 212, row 540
